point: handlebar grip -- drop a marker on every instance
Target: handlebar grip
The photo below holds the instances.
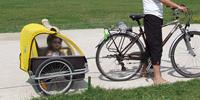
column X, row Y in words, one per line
column 183, row 5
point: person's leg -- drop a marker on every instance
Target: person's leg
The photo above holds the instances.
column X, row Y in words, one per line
column 143, row 71
column 153, row 31
column 158, row 79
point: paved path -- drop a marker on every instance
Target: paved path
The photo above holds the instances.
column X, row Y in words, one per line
column 11, row 76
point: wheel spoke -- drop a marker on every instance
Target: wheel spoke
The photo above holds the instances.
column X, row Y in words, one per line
column 56, row 84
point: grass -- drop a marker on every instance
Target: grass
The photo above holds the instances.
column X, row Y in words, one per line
column 178, row 91
column 73, row 14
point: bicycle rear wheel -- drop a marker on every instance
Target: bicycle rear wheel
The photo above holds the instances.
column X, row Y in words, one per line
column 182, row 60
column 56, row 83
column 118, row 58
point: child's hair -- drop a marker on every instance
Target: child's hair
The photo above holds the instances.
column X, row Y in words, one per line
column 50, row 40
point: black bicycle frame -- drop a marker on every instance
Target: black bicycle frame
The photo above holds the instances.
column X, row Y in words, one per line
column 175, row 22
column 142, row 33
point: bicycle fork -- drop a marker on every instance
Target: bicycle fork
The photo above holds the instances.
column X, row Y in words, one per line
column 187, row 39
column 188, row 44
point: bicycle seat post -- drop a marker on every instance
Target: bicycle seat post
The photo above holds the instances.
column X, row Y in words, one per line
column 139, row 24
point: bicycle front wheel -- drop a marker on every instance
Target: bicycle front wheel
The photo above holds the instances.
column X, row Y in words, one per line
column 119, row 57
column 186, row 61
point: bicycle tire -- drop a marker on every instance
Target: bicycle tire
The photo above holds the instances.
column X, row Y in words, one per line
column 42, row 68
column 175, row 64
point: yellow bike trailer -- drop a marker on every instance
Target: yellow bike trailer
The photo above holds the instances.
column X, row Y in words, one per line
column 54, row 75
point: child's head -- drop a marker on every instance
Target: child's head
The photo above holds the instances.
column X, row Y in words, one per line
column 54, row 42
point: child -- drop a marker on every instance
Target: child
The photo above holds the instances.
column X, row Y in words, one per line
column 54, row 46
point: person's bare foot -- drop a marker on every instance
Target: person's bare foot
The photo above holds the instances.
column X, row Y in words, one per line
column 159, row 81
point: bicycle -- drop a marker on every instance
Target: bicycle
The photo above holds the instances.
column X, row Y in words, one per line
column 124, row 48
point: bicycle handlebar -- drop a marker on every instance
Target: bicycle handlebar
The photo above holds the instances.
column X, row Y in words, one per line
column 176, row 14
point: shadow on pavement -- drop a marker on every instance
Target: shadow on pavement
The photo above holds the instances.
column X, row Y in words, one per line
column 169, row 69
column 101, row 77
column 76, row 86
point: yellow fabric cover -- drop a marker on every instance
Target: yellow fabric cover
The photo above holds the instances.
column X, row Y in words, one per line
column 28, row 44
column 26, row 37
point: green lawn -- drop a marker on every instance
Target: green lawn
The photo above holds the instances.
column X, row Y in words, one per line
column 73, row 14
column 178, row 91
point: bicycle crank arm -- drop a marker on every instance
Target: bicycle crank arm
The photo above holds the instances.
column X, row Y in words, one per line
column 148, row 67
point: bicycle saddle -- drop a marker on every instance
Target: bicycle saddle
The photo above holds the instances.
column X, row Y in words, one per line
column 136, row 16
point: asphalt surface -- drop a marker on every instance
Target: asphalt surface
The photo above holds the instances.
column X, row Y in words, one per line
column 16, row 85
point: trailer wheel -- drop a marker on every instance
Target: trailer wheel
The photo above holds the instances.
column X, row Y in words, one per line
column 54, row 76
